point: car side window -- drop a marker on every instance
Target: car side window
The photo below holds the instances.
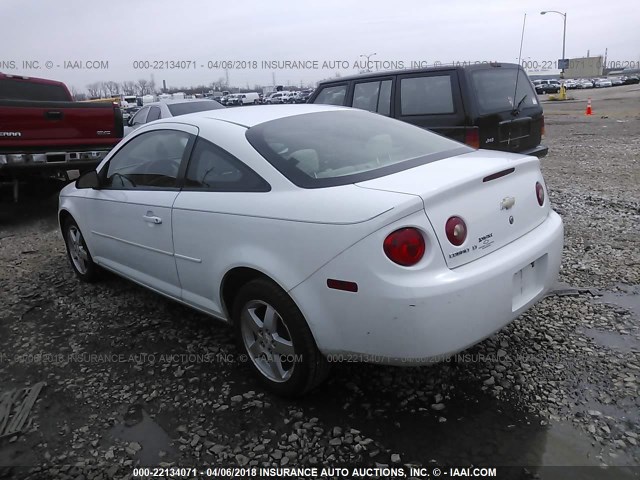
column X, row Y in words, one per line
column 214, row 169
column 426, row 95
column 332, row 95
column 151, row 160
column 140, row 117
column 373, row 96
column 154, row 114
column 365, row 96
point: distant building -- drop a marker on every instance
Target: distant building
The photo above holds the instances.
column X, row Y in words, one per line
column 586, row 67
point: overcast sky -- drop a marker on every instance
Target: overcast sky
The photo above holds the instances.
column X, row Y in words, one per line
column 124, row 31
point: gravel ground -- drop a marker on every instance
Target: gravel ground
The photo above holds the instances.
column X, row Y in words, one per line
column 559, row 386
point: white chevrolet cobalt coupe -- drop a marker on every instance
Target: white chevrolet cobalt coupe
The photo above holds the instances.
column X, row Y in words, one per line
column 321, row 233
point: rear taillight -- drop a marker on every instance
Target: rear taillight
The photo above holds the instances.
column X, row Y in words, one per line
column 472, row 137
column 542, row 126
column 540, row 193
column 456, row 231
column 405, row 246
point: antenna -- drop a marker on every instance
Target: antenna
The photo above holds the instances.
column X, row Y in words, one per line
column 515, row 91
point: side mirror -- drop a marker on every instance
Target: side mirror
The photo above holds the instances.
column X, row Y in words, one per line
column 88, row 180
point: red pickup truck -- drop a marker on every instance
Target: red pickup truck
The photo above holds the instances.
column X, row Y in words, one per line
column 44, row 133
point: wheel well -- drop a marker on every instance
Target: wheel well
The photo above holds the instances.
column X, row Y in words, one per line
column 233, row 280
column 64, row 216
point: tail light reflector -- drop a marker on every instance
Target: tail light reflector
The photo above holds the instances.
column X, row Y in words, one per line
column 405, row 247
column 472, row 137
column 342, row 285
column 540, row 193
column 456, row 231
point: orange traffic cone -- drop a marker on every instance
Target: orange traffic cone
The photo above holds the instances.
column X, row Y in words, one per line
column 589, row 111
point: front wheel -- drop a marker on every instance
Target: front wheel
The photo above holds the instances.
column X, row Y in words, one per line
column 78, row 253
column 273, row 333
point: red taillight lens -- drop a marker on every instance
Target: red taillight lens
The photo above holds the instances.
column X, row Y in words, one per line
column 472, row 137
column 540, row 193
column 405, row 246
column 456, row 231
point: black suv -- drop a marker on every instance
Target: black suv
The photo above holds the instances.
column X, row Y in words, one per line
column 478, row 105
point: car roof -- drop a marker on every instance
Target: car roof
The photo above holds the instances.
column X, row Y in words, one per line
column 441, row 68
column 252, row 115
column 180, row 100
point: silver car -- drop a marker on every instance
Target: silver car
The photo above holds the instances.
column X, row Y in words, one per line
column 167, row 109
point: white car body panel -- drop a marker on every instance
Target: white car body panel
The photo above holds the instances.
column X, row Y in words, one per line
column 130, row 244
column 479, row 203
column 427, row 312
column 300, row 238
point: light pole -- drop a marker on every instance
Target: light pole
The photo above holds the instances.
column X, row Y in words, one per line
column 563, row 91
column 367, row 57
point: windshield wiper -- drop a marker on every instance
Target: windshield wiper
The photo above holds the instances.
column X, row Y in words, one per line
column 516, row 110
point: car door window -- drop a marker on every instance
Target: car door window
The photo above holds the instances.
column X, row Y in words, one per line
column 212, row 168
column 154, row 114
column 332, row 95
column 426, row 95
column 140, row 117
column 148, row 161
column 373, row 96
column 365, row 96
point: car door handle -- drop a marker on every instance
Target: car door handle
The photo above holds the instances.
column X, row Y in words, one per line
column 152, row 219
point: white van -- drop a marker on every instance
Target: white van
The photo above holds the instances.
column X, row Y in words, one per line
column 247, row 98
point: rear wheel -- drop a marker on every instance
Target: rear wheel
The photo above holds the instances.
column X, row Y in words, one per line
column 78, row 253
column 274, row 335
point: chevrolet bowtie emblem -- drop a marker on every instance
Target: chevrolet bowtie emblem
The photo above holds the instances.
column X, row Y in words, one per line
column 507, row 203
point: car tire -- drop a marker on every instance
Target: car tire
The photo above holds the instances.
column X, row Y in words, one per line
column 78, row 252
column 276, row 340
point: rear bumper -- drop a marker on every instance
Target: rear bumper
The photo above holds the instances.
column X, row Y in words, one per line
column 539, row 151
column 435, row 314
column 29, row 163
column 24, row 168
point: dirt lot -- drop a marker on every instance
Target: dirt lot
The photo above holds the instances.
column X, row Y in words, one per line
column 128, row 381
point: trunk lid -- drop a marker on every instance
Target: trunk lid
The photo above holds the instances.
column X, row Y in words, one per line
column 493, row 192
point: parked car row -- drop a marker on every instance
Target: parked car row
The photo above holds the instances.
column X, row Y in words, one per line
column 546, row 86
column 285, row 96
column 272, row 98
column 553, row 86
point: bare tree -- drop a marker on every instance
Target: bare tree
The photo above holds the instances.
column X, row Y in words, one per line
column 77, row 95
column 112, row 88
column 101, row 89
column 128, row 87
column 94, row 90
column 142, row 86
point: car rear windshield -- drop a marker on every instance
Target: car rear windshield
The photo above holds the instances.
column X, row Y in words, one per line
column 495, row 89
column 14, row 89
column 340, row 147
column 192, row 107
